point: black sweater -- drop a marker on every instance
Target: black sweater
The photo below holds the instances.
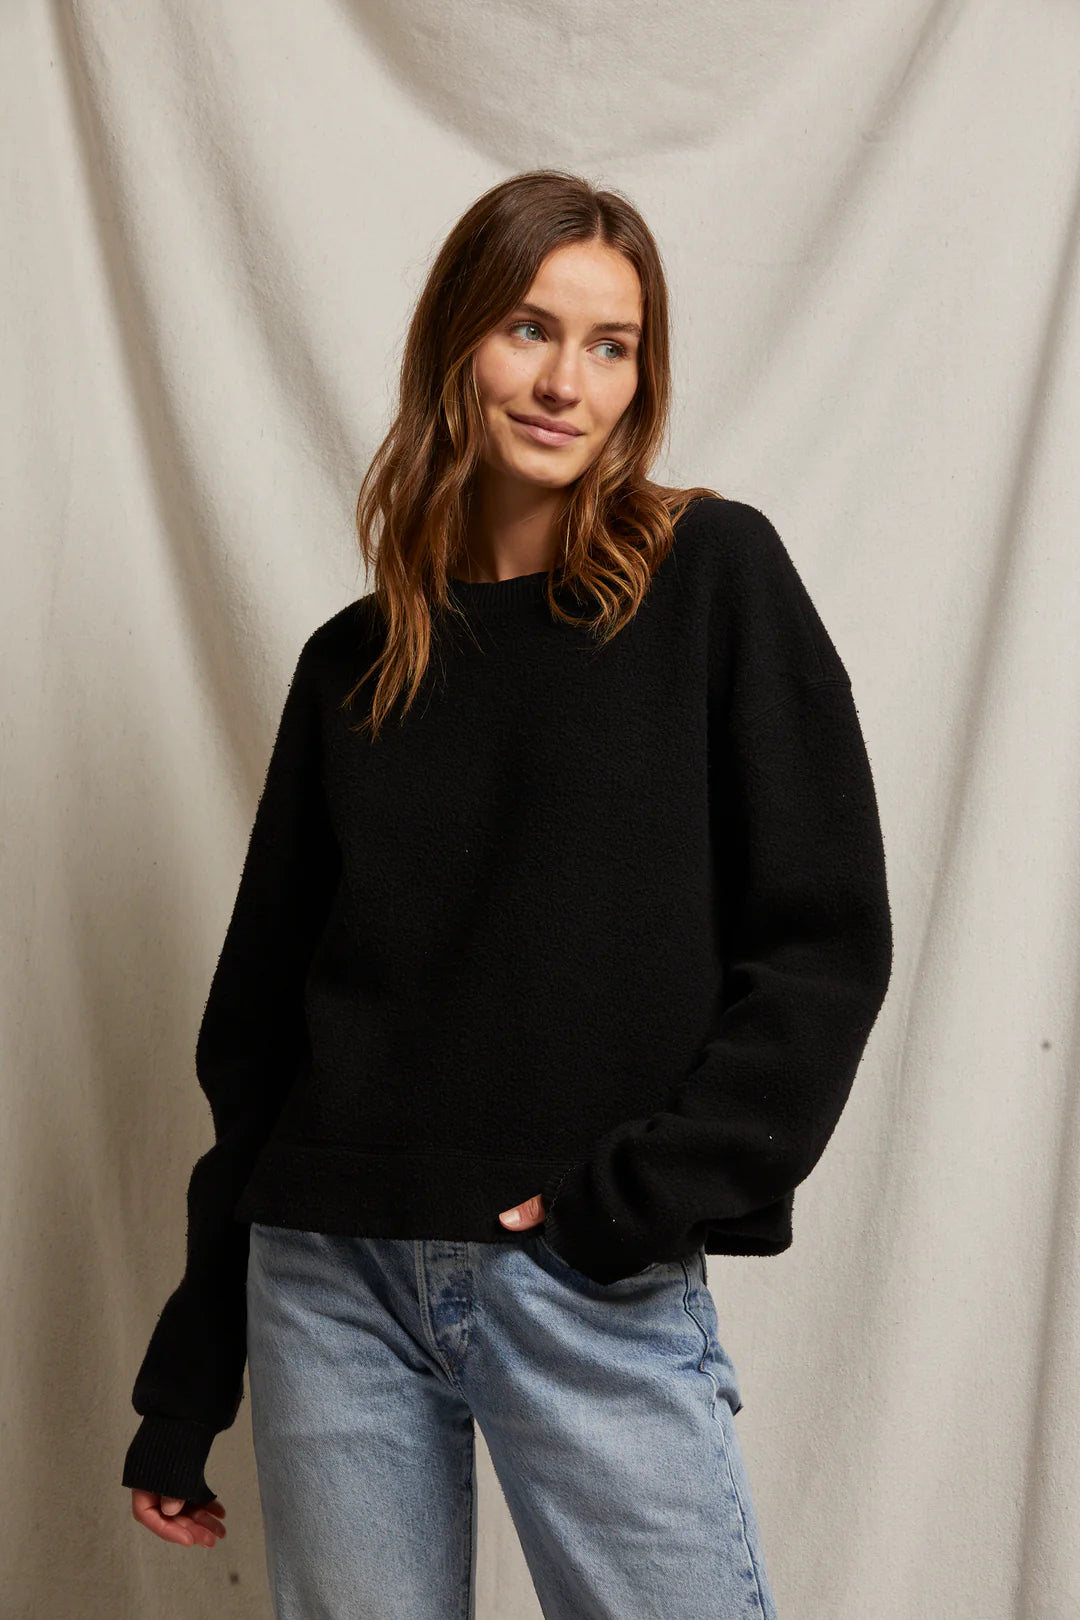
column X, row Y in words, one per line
column 608, row 924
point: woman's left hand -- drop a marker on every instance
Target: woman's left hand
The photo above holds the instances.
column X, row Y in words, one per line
column 530, row 1213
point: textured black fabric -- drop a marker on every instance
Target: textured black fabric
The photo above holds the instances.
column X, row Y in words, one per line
column 606, row 923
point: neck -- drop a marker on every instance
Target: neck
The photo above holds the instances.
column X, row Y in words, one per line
column 511, row 530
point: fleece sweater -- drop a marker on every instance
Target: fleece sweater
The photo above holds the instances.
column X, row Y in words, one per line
column 604, row 923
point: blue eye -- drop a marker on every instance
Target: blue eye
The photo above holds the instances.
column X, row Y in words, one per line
column 606, row 343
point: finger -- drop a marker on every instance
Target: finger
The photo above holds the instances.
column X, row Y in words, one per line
column 164, row 1527
column 187, row 1530
column 178, row 1533
column 530, row 1213
column 209, row 1522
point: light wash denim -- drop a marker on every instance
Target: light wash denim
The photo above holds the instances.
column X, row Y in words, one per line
column 608, row 1413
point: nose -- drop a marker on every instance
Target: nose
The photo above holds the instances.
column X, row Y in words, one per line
column 562, row 380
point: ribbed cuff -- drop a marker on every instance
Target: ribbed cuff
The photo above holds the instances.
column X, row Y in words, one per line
column 168, row 1455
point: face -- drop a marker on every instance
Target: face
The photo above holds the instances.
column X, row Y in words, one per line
column 576, row 364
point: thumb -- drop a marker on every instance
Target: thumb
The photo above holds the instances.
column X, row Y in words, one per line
column 530, row 1213
column 171, row 1504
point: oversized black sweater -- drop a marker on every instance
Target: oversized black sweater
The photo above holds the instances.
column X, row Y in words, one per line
column 605, row 923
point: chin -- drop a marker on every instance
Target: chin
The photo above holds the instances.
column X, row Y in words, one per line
column 556, row 479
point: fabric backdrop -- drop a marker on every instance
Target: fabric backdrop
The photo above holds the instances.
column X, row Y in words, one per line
column 215, row 221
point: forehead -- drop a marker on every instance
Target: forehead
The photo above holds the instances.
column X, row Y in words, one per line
column 588, row 281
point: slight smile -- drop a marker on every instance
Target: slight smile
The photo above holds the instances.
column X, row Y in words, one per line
column 545, row 435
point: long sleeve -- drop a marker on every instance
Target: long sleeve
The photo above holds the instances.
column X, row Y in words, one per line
column 807, row 947
column 251, row 1037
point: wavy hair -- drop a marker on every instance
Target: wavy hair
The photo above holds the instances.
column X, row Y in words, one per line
column 412, row 509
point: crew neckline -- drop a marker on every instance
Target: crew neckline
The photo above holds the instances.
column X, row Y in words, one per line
column 498, row 593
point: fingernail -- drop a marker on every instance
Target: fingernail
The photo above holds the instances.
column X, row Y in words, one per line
column 512, row 1217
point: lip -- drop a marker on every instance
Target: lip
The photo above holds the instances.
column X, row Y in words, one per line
column 543, row 432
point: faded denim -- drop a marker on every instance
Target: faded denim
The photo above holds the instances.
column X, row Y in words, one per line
column 608, row 1412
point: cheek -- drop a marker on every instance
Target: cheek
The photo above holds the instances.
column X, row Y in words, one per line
column 610, row 410
column 500, row 374
column 613, row 393
column 623, row 403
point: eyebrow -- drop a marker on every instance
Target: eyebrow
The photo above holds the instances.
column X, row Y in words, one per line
column 630, row 327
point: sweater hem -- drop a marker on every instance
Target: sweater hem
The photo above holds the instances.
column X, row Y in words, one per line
column 442, row 1193
column 352, row 1192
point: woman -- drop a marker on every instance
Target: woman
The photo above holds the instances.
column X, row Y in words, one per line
column 549, row 972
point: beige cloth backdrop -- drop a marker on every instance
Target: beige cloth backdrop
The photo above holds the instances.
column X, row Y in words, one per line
column 216, row 219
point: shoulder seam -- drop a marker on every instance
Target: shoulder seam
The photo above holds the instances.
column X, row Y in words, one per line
column 780, row 703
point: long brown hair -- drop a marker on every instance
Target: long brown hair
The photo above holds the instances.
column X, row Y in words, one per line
column 618, row 525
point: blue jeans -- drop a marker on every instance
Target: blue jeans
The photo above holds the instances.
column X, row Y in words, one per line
column 608, row 1412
